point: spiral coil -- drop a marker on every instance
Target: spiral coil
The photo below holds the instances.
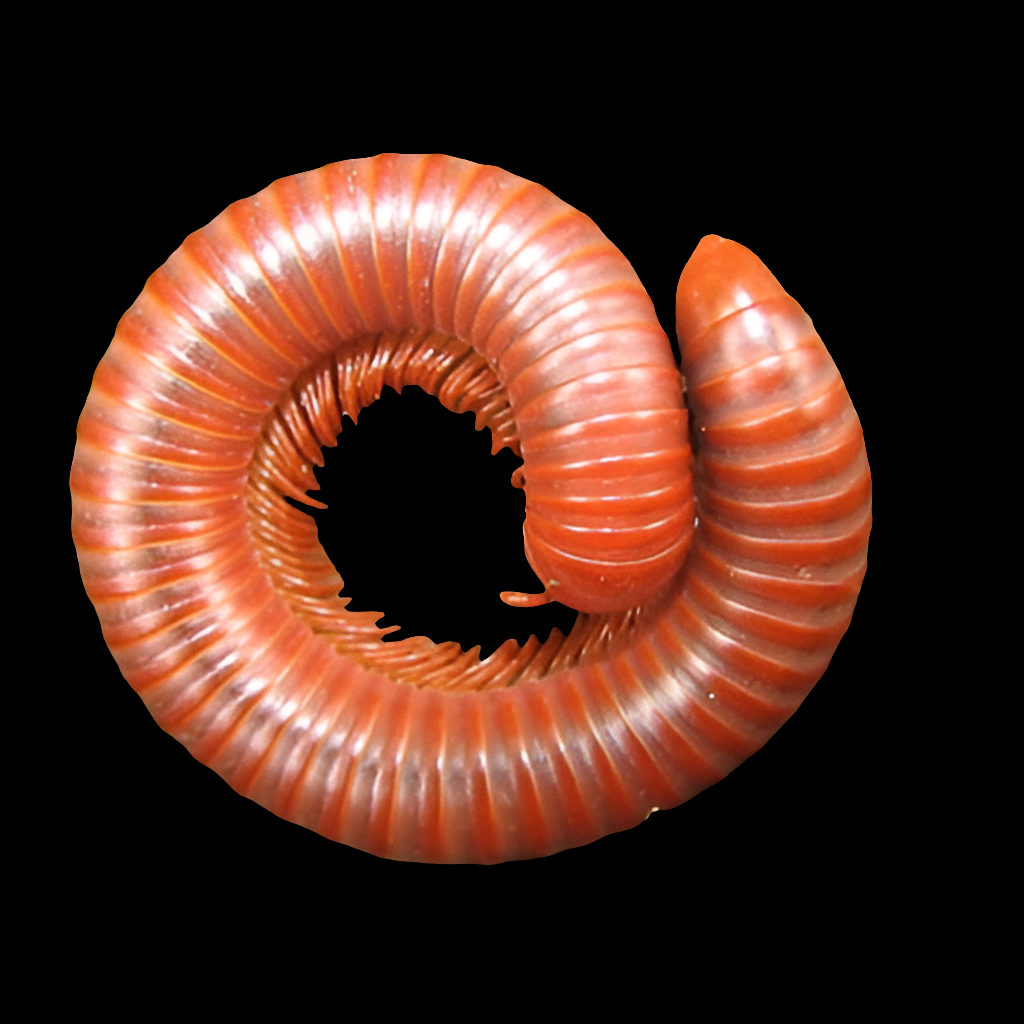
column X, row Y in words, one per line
column 294, row 308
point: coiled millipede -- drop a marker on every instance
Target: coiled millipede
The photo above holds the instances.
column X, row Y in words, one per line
column 711, row 602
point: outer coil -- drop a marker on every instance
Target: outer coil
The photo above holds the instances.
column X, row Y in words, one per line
column 294, row 308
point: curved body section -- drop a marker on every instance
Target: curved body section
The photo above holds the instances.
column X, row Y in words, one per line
column 292, row 309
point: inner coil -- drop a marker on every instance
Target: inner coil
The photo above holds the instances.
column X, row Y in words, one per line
column 310, row 416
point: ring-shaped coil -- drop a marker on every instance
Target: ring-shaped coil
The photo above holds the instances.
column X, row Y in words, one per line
column 294, row 308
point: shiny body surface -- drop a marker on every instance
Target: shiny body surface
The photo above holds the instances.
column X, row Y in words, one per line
column 294, row 308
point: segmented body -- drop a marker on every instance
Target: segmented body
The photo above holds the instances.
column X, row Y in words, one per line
column 294, row 308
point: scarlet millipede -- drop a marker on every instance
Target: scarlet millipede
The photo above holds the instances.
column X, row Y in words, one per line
column 711, row 601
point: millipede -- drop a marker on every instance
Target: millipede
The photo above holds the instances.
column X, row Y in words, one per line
column 708, row 519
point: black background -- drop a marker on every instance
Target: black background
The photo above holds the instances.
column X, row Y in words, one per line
column 811, row 812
